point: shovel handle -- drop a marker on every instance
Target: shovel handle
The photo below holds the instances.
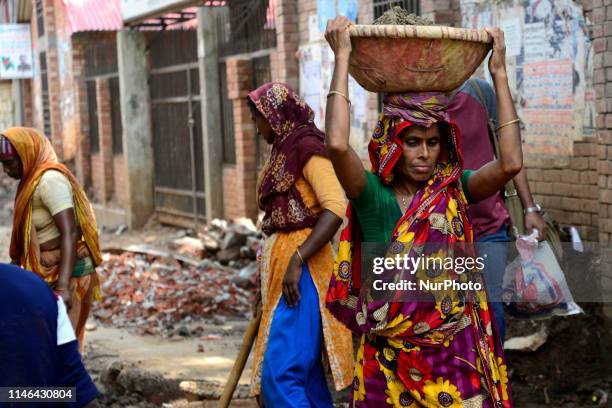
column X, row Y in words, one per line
column 243, row 355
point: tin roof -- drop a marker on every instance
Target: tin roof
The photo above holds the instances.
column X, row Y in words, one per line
column 93, row 15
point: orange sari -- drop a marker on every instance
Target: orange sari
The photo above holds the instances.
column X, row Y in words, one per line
column 37, row 156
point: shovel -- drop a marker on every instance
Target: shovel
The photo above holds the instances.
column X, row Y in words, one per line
column 243, row 355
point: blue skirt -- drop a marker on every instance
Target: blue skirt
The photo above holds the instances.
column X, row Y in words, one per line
column 292, row 371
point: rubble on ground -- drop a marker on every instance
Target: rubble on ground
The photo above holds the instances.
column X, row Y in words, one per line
column 200, row 390
column 167, row 290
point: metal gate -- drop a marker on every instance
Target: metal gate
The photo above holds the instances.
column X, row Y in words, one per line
column 177, row 129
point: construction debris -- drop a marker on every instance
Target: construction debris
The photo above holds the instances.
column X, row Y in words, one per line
column 167, row 289
column 530, row 342
column 200, row 390
column 160, row 295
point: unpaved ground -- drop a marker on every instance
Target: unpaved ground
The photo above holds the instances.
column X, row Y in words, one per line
column 176, row 358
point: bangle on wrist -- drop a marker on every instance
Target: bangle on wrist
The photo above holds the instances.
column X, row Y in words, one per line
column 510, row 122
column 346, row 98
column 297, row 251
column 535, row 209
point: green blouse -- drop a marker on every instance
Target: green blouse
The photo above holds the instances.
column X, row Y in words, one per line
column 378, row 211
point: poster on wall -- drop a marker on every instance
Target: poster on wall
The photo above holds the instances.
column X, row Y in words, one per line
column 549, row 100
column 15, row 51
column 310, row 78
column 550, row 68
column 328, row 9
column 316, row 70
column 512, row 35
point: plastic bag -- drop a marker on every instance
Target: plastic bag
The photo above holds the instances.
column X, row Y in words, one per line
column 534, row 285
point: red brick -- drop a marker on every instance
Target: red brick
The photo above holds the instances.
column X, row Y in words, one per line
column 562, row 189
column 605, row 196
column 571, row 176
column 603, row 211
column 606, row 225
column 597, row 31
column 571, row 204
column 542, row 188
column 605, row 167
column 550, row 201
column 580, row 218
column 579, row 163
column 605, row 136
column 552, row 175
column 588, row 177
column 585, row 149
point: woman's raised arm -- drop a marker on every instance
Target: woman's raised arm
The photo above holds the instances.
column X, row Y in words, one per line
column 346, row 162
column 492, row 177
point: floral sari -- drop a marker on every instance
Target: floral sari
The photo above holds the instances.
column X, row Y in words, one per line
column 440, row 350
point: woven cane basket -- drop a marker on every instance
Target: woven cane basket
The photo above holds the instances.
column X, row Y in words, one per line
column 401, row 58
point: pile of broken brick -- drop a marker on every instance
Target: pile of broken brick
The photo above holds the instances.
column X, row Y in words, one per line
column 199, row 276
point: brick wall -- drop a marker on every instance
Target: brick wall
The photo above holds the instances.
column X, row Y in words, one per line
column 283, row 62
column 51, row 34
column 600, row 13
column 306, row 8
column 231, row 208
column 105, row 131
column 82, row 159
column 570, row 193
column 28, row 111
column 442, row 12
column 242, row 201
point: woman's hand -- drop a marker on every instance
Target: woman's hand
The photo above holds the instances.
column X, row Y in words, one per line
column 497, row 61
column 291, row 288
column 535, row 221
column 64, row 293
column 337, row 35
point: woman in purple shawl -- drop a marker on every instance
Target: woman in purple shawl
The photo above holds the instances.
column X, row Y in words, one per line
column 303, row 206
column 432, row 345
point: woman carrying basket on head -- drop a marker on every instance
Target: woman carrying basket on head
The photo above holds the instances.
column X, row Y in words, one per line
column 439, row 348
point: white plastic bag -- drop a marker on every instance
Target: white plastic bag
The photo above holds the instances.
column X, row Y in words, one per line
column 534, row 285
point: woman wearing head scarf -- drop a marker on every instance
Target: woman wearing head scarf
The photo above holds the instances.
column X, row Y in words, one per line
column 303, row 204
column 54, row 228
column 427, row 345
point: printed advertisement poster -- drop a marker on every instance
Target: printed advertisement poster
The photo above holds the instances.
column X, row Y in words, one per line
column 549, row 59
column 15, row 51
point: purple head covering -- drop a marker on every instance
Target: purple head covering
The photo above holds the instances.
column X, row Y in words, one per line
column 7, row 150
column 297, row 140
column 401, row 110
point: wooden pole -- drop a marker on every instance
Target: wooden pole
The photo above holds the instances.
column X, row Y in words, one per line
column 243, row 355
